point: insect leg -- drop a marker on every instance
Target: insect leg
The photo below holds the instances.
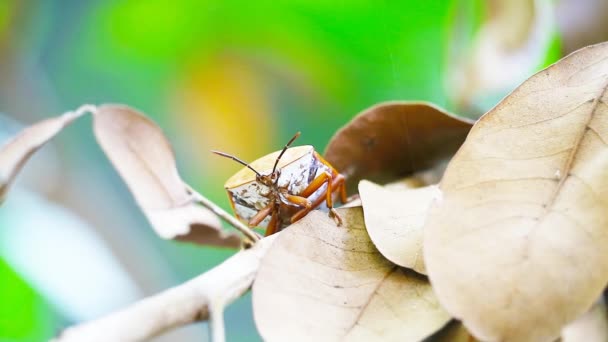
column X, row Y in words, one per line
column 338, row 184
column 315, row 184
column 333, row 184
column 342, row 187
column 273, row 225
column 260, row 216
column 298, row 200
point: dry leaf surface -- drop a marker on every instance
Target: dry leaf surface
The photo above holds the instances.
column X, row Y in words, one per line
column 15, row 153
column 394, row 218
column 394, row 139
column 517, row 246
column 320, row 282
column 142, row 155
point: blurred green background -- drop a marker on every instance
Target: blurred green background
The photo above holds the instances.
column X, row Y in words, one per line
column 236, row 76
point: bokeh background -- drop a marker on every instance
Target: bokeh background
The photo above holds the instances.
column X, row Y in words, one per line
column 237, row 76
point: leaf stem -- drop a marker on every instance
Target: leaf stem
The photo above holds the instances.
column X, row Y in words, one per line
column 85, row 108
column 216, row 321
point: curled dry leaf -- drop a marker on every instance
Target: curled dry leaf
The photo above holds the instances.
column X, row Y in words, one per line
column 524, row 207
column 592, row 326
column 142, row 155
column 321, row 282
column 394, row 139
column 394, row 219
column 15, row 153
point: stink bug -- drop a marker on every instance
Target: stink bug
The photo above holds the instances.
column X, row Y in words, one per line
column 282, row 187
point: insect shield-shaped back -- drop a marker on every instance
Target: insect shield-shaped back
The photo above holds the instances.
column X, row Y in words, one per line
column 298, row 167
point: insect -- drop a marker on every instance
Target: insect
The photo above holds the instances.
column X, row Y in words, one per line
column 282, row 187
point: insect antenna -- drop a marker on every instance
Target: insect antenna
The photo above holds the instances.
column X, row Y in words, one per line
column 236, row 160
column 283, row 151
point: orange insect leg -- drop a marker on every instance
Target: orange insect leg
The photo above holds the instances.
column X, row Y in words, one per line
column 315, row 184
column 342, row 185
column 334, row 183
column 298, row 200
column 273, row 225
column 260, row 216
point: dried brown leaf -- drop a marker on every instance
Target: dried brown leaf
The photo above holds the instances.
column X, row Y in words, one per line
column 16, row 152
column 322, row 282
column 516, row 247
column 143, row 157
column 592, row 326
column 394, row 218
column 394, row 139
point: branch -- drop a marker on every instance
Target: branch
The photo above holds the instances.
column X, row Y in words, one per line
column 189, row 302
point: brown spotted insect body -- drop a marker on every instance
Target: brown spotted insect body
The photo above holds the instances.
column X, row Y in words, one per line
column 298, row 180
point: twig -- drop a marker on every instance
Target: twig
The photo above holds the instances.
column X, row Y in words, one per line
column 186, row 303
column 248, row 232
column 85, row 108
column 216, row 318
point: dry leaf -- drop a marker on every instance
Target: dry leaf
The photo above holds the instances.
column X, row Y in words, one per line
column 394, row 139
column 516, row 247
column 321, row 282
column 15, row 153
column 142, row 155
column 590, row 327
column 394, row 219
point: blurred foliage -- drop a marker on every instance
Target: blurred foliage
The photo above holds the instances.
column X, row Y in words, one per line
column 24, row 316
column 493, row 46
column 4, row 12
column 553, row 53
